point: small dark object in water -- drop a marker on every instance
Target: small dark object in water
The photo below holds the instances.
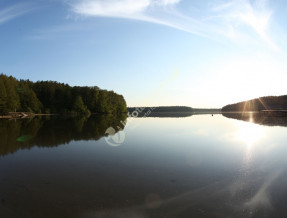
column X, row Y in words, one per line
column 172, row 180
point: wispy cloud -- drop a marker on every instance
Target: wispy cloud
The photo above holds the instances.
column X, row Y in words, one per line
column 11, row 12
column 125, row 8
column 236, row 19
column 238, row 15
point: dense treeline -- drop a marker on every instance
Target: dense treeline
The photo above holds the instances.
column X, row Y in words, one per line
column 206, row 110
column 54, row 97
column 258, row 104
column 161, row 111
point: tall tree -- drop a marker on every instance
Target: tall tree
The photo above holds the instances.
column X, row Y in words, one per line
column 13, row 103
column 79, row 105
column 28, row 98
column 3, row 97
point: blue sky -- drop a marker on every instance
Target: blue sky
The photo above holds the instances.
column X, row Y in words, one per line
column 154, row 52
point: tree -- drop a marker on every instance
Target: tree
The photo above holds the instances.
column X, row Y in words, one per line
column 14, row 100
column 3, row 97
column 28, row 99
column 79, row 106
column 54, row 97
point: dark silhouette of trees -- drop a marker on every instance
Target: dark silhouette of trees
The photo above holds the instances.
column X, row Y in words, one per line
column 79, row 106
column 28, row 99
column 161, row 111
column 3, row 97
column 259, row 104
column 54, row 97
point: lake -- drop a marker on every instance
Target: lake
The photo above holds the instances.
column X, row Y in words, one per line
column 229, row 165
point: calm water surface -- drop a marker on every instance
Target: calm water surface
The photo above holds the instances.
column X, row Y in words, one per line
column 197, row 166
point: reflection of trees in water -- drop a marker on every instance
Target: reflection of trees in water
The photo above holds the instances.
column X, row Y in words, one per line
column 53, row 131
column 267, row 119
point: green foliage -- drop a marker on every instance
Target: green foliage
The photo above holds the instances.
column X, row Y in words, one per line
column 79, row 105
column 28, row 99
column 3, row 97
column 54, row 97
column 13, row 99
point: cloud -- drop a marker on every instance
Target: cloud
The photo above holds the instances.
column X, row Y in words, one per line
column 238, row 20
column 167, row 2
column 119, row 8
column 14, row 11
column 239, row 14
column 111, row 8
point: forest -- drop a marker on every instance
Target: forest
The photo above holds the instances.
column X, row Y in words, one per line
column 161, row 111
column 53, row 97
column 259, row 104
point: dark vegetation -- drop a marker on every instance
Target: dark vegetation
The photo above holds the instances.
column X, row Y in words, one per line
column 259, row 104
column 162, row 111
column 54, row 97
column 169, row 111
column 52, row 131
column 207, row 111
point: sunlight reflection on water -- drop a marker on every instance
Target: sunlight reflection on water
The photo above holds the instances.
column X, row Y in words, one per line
column 200, row 166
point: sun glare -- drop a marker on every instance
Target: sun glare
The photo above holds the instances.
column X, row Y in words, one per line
column 250, row 78
column 250, row 133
